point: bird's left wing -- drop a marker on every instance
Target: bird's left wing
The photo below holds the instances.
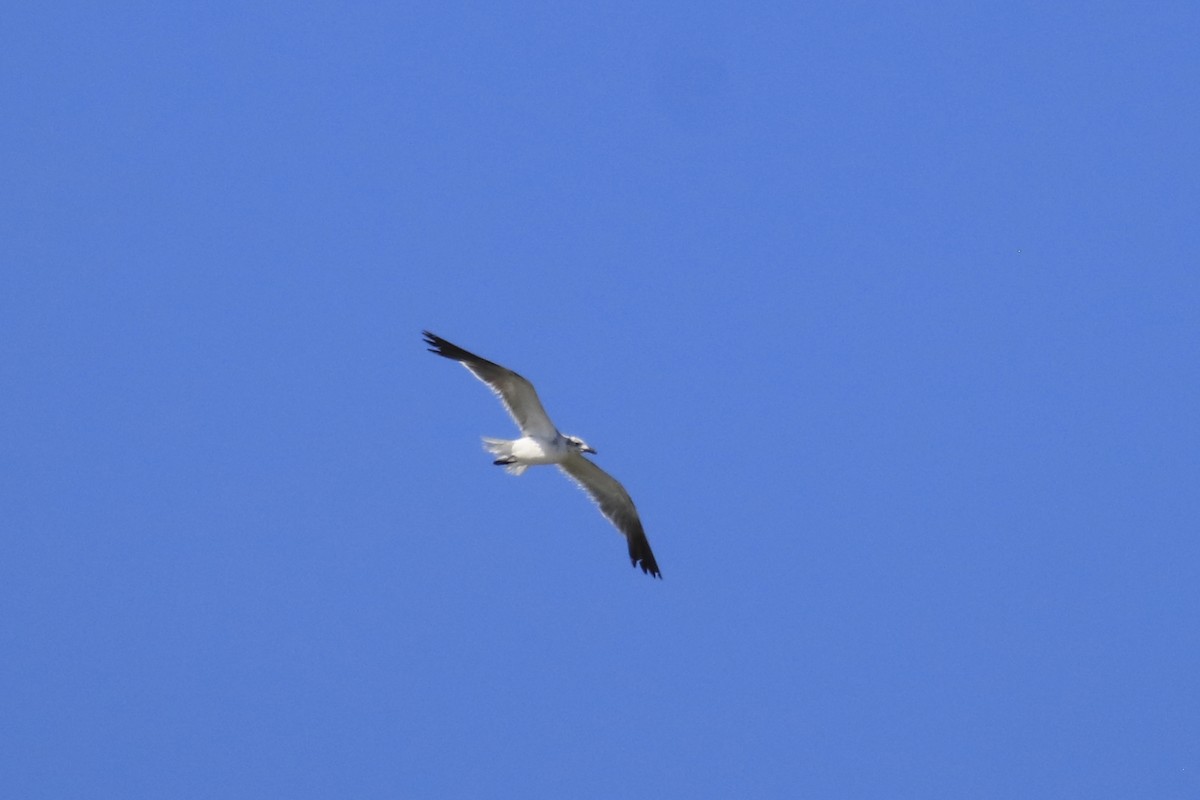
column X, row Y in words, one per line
column 616, row 504
column 515, row 392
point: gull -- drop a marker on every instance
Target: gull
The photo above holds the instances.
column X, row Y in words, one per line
column 541, row 443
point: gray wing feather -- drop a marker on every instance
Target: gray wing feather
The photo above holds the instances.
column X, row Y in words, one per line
column 616, row 504
column 516, row 393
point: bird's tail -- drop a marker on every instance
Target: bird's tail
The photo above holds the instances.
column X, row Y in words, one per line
column 502, row 449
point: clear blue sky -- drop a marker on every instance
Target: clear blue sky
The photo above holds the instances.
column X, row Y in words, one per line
column 887, row 317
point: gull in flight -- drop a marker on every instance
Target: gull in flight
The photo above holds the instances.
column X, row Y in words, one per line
column 541, row 443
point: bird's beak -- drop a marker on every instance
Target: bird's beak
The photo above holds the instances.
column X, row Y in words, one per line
column 589, row 450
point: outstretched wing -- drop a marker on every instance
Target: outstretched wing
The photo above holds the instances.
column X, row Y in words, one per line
column 615, row 504
column 515, row 392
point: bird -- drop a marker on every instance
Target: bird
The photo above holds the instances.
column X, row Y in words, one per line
column 541, row 443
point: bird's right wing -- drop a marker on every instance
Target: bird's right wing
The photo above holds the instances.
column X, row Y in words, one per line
column 515, row 392
column 616, row 504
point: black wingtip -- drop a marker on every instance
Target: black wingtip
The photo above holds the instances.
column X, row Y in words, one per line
column 640, row 555
column 440, row 347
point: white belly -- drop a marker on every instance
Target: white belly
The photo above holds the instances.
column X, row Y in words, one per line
column 529, row 450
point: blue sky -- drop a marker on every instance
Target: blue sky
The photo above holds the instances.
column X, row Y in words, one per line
column 887, row 318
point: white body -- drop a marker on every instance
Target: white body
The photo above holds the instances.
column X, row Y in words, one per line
column 528, row 451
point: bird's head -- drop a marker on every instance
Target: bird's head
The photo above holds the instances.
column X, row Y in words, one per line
column 579, row 444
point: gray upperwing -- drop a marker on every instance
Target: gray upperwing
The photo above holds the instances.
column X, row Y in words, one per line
column 616, row 504
column 516, row 393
